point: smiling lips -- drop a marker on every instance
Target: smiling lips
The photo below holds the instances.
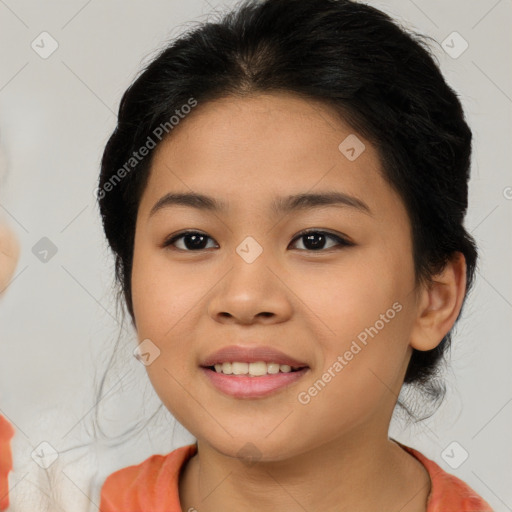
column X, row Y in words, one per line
column 255, row 369
column 251, row 372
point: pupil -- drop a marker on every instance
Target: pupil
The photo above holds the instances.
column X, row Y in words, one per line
column 312, row 244
column 197, row 241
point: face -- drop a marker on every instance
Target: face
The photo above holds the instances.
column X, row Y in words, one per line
column 338, row 299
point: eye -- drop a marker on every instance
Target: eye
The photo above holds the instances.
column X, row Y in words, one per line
column 193, row 240
column 315, row 240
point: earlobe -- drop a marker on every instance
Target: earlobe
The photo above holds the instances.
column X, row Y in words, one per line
column 439, row 304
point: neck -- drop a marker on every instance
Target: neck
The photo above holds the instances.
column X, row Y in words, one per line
column 365, row 474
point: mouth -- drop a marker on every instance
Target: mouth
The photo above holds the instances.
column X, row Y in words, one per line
column 251, row 371
column 253, row 380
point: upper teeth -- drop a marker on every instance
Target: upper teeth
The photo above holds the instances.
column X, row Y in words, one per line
column 253, row 369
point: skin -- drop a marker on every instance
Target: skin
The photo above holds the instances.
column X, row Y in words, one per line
column 9, row 254
column 334, row 452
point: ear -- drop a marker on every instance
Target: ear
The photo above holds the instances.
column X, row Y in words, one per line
column 439, row 304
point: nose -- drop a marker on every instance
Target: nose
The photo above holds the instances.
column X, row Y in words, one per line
column 251, row 292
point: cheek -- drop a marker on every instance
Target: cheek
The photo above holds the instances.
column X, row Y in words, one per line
column 162, row 294
column 161, row 301
column 363, row 314
column 167, row 302
column 347, row 296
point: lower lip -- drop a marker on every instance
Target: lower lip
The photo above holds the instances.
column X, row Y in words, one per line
column 243, row 386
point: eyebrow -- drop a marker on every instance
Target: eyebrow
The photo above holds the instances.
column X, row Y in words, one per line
column 280, row 205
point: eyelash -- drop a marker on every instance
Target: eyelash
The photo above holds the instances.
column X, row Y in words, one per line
column 343, row 242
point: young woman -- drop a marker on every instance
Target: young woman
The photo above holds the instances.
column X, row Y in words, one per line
column 284, row 194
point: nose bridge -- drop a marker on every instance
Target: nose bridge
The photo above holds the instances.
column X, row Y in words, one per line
column 249, row 250
column 249, row 268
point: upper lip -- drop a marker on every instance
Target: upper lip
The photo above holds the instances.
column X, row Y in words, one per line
column 248, row 354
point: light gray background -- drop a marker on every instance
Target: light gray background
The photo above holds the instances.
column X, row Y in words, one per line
column 58, row 319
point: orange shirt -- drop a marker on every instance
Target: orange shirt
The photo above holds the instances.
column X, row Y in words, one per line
column 6, row 432
column 152, row 486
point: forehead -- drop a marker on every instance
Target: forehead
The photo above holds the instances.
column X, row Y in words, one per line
column 254, row 148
